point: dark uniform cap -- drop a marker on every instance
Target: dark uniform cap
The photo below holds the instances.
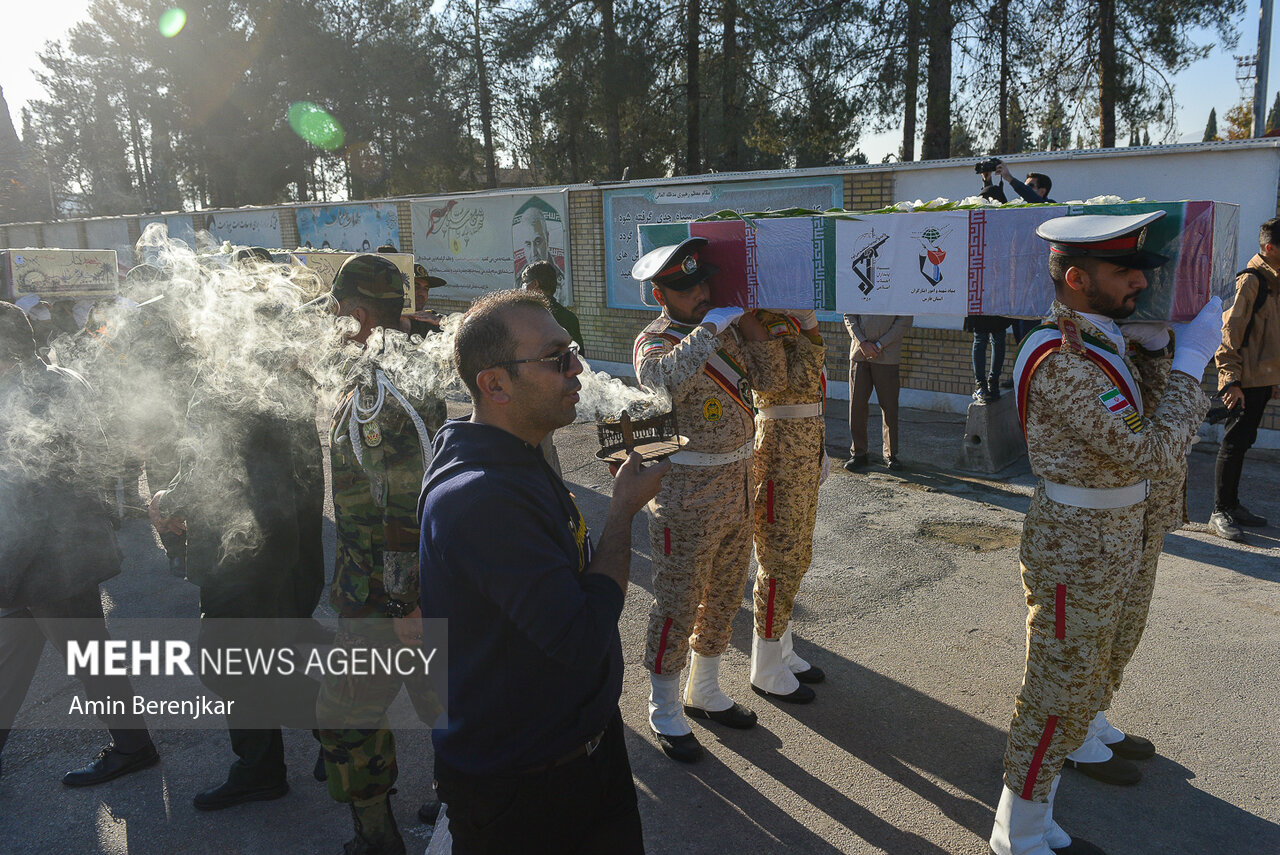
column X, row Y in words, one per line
column 420, row 272
column 1114, row 238
column 369, row 275
column 675, row 267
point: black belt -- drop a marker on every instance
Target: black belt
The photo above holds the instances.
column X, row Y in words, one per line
column 585, row 749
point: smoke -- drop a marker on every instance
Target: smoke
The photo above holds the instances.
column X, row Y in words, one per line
column 214, row 381
column 606, row 397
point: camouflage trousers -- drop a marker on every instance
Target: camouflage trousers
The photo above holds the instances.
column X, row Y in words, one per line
column 1079, row 566
column 785, row 469
column 700, row 541
column 361, row 762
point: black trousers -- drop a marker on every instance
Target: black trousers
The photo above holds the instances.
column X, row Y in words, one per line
column 584, row 807
column 79, row 618
column 277, row 699
column 1241, row 432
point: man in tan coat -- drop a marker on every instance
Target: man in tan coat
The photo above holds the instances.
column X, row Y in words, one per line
column 708, row 360
column 874, row 357
column 1248, row 363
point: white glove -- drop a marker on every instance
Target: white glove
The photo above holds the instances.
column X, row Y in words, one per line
column 826, row 469
column 1149, row 335
column 808, row 319
column 720, row 320
column 1197, row 340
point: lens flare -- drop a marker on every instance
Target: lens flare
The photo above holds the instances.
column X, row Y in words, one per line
column 315, row 125
column 172, row 22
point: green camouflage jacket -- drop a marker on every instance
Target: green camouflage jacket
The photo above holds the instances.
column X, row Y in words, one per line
column 375, row 495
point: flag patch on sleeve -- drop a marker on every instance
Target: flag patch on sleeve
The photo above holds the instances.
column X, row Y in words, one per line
column 1116, row 402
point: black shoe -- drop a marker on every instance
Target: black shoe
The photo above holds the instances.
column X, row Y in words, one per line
column 429, row 812
column 319, row 772
column 802, row 695
column 813, row 674
column 993, row 388
column 1079, row 847
column 111, row 764
column 981, row 393
column 1244, row 516
column 858, row 461
column 1133, row 748
column 735, row 716
column 229, row 795
column 1224, row 525
column 1117, row 770
column 894, row 464
column 685, row 749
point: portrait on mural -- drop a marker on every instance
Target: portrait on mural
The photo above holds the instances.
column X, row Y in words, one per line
column 537, row 234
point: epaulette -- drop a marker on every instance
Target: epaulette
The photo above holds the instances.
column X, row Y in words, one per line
column 1071, row 339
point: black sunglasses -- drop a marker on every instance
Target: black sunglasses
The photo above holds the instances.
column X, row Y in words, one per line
column 562, row 360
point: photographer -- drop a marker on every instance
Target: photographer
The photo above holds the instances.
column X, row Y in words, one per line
column 1035, row 190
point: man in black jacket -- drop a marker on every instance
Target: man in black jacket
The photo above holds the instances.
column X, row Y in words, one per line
column 58, row 544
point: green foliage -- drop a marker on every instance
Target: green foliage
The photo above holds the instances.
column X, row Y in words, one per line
column 1211, row 128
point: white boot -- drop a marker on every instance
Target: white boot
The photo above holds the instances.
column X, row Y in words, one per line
column 1092, row 750
column 666, row 715
column 1104, row 730
column 789, row 657
column 703, row 689
column 1020, row 826
column 768, row 668
column 1053, row 833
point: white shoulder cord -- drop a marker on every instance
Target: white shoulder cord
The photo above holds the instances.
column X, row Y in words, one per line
column 361, row 415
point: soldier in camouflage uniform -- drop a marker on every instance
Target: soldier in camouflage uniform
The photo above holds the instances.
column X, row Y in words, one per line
column 1095, row 444
column 379, row 446
column 789, row 463
column 698, row 531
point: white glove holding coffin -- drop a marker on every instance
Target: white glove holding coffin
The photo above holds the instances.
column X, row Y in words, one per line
column 720, row 320
column 1149, row 335
column 1197, row 340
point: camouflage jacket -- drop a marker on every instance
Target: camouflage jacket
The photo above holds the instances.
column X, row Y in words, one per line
column 710, row 378
column 805, row 355
column 1082, row 431
column 376, row 480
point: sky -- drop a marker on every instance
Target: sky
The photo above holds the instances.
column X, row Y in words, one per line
column 1207, row 84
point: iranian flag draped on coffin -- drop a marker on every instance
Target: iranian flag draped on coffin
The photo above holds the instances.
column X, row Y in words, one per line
column 943, row 260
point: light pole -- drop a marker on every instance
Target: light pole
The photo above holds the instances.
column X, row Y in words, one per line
column 1264, row 60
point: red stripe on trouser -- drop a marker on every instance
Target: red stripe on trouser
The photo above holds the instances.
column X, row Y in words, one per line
column 662, row 647
column 769, row 501
column 1038, row 757
column 666, row 541
column 1060, row 613
column 768, row 611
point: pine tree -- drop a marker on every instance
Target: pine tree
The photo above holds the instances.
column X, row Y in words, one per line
column 1211, row 129
column 1273, row 116
column 1146, row 137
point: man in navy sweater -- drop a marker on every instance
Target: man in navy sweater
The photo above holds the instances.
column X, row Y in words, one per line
column 533, row 758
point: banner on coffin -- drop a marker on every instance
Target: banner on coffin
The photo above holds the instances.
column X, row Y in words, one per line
column 627, row 208
column 948, row 262
column 478, row 244
column 352, row 228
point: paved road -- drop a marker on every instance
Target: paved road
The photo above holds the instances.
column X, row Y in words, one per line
column 914, row 609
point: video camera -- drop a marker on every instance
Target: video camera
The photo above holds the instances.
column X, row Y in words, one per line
column 988, row 165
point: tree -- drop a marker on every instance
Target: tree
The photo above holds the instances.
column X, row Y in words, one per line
column 1273, row 115
column 937, row 118
column 1019, row 132
column 1211, row 129
column 1240, row 121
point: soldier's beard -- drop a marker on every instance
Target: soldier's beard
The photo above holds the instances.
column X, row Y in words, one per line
column 1111, row 307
